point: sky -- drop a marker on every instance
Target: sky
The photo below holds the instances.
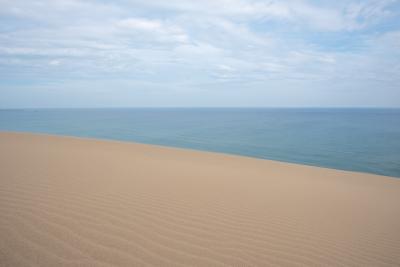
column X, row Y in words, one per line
column 184, row 53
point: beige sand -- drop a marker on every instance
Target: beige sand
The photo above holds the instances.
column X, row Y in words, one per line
column 80, row 202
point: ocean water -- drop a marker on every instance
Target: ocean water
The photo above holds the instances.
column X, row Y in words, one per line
column 366, row 140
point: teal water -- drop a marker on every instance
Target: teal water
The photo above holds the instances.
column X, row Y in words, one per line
column 366, row 140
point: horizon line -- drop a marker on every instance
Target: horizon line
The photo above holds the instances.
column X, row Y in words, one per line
column 209, row 107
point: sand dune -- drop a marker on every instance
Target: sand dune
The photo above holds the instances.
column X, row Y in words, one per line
column 78, row 202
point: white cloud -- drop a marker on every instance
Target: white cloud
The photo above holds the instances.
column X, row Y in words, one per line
column 198, row 42
column 226, row 68
column 334, row 17
column 362, row 14
column 55, row 62
column 140, row 24
column 162, row 30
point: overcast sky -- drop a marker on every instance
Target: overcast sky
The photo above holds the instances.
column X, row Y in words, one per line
column 129, row 53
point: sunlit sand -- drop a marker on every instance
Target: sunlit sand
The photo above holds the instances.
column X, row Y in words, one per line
column 69, row 201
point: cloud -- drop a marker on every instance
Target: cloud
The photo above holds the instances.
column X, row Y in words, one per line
column 348, row 16
column 141, row 24
column 196, row 45
column 164, row 31
column 54, row 62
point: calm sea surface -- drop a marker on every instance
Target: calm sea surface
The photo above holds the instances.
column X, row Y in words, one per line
column 366, row 140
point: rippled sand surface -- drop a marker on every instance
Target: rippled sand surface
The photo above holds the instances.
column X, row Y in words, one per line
column 79, row 202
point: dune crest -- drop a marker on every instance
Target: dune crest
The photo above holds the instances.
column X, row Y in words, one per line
column 78, row 202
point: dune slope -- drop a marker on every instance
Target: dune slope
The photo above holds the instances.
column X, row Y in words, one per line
column 79, row 202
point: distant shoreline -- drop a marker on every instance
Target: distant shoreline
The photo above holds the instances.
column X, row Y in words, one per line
column 189, row 150
column 360, row 140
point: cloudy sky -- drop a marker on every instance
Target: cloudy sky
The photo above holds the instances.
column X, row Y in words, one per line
column 124, row 53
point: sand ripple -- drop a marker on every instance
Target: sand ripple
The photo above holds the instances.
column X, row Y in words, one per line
column 76, row 202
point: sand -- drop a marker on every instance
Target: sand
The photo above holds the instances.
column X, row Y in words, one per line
column 79, row 202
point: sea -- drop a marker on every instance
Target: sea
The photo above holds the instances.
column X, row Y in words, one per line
column 354, row 139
